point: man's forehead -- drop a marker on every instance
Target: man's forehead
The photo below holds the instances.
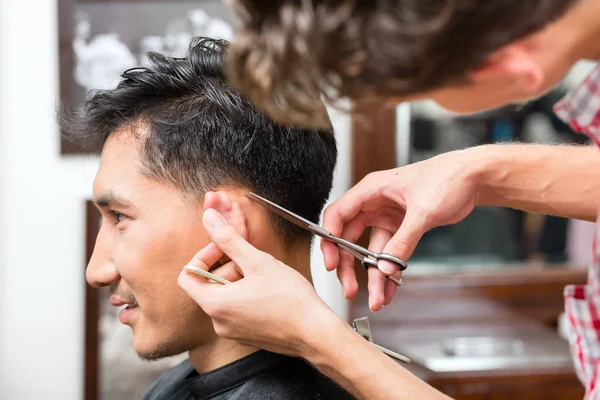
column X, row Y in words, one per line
column 119, row 168
column 111, row 188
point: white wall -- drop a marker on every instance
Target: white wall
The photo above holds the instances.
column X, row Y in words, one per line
column 41, row 301
column 42, row 216
column 326, row 283
column 2, row 193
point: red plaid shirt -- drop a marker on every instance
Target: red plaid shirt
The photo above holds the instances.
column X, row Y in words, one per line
column 581, row 110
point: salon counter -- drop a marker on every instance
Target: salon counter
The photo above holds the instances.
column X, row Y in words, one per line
column 523, row 360
column 489, row 334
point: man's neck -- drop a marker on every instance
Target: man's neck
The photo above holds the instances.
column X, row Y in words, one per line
column 220, row 352
column 217, row 354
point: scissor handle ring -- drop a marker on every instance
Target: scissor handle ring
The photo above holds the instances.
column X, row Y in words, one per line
column 371, row 262
column 368, row 262
column 393, row 259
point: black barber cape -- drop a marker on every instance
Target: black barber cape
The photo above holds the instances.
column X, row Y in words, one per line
column 261, row 376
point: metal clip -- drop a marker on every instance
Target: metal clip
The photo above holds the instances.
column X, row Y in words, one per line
column 363, row 328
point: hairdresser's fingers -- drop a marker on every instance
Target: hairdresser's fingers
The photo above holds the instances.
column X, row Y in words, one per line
column 347, row 278
column 363, row 196
column 226, row 238
column 345, row 271
column 336, row 223
column 384, row 214
column 391, row 288
column 379, row 238
column 198, row 288
column 346, row 275
column 206, row 257
column 229, row 271
column 386, row 218
column 331, row 255
column 404, row 241
column 206, row 292
column 376, row 288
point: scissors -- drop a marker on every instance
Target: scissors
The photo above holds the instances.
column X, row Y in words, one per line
column 366, row 257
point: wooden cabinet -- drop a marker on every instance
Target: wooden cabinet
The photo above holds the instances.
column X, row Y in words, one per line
column 557, row 386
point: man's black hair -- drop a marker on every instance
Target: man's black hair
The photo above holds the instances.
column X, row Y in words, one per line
column 197, row 132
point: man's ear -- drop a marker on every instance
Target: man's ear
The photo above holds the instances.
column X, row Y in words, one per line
column 512, row 63
column 229, row 208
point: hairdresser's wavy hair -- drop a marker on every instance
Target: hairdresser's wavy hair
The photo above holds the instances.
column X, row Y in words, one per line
column 197, row 132
column 288, row 51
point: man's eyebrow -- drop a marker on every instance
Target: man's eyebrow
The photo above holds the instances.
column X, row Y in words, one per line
column 109, row 199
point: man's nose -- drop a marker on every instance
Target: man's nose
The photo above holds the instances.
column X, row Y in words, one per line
column 101, row 270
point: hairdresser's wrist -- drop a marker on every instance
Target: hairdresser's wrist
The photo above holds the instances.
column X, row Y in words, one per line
column 316, row 340
column 480, row 170
column 488, row 166
column 328, row 343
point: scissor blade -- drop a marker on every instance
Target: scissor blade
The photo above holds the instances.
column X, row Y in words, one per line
column 356, row 254
column 292, row 217
column 392, row 354
column 360, row 251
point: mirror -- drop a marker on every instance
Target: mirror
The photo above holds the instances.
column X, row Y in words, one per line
column 490, row 236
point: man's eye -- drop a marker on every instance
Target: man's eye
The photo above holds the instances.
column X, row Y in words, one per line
column 118, row 216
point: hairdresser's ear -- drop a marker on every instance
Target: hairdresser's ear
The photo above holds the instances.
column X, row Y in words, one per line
column 229, row 208
column 513, row 63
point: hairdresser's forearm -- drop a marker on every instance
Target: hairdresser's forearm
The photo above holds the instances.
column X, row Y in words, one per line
column 360, row 368
column 559, row 180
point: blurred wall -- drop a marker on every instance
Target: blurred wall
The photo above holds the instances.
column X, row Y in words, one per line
column 3, row 370
column 326, row 283
column 42, row 220
column 42, row 216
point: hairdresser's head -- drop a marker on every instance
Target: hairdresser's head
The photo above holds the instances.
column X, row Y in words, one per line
column 177, row 139
column 468, row 55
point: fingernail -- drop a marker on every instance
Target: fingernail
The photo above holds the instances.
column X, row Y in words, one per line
column 387, row 267
column 213, row 219
column 371, row 302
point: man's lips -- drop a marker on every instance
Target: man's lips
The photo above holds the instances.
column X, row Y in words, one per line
column 127, row 308
column 118, row 302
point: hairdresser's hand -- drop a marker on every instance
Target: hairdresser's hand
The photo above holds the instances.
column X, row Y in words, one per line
column 401, row 205
column 272, row 307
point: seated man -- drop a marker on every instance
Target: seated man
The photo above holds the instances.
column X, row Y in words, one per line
column 178, row 140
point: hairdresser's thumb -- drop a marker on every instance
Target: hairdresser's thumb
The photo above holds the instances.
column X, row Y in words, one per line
column 226, row 238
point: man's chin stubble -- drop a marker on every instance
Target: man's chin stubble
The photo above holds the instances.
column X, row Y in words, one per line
column 170, row 348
